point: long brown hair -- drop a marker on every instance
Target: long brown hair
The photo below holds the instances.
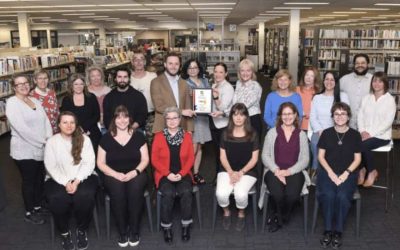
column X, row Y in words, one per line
column 77, row 137
column 317, row 79
column 120, row 110
column 239, row 108
column 70, row 87
column 290, row 105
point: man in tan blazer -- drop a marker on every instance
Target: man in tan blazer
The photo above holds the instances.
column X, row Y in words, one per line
column 169, row 90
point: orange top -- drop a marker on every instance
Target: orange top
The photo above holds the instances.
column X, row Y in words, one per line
column 306, row 98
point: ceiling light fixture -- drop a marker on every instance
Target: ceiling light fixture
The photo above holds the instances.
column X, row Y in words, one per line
column 377, row 9
column 387, row 4
column 292, row 8
column 306, row 3
column 199, row 4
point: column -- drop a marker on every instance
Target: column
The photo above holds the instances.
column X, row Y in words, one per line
column 102, row 36
column 261, row 44
column 49, row 39
column 24, row 30
column 293, row 43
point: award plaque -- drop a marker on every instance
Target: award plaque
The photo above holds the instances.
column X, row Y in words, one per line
column 202, row 100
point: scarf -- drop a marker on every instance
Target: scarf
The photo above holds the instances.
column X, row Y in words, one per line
column 175, row 140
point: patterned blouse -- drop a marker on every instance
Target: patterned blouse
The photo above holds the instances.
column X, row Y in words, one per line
column 49, row 104
column 248, row 93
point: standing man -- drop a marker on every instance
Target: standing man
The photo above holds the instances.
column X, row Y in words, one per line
column 356, row 85
column 168, row 90
column 141, row 80
column 125, row 95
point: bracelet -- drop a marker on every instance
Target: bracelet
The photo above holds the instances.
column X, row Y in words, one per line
column 137, row 171
column 348, row 171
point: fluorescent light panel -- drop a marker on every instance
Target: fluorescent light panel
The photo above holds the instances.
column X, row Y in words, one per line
column 79, row 14
column 306, row 3
column 212, row 8
column 292, row 8
column 143, row 13
column 166, row 4
column 378, row 9
column 199, row 4
column 387, row 4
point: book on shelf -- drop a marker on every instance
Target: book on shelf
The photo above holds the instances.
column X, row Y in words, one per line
column 5, row 88
column 334, row 33
column 393, row 68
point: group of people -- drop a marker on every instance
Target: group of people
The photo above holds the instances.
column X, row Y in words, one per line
column 101, row 137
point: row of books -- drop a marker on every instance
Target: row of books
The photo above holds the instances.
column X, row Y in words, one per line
column 334, row 43
column 13, row 64
column 329, row 65
column 388, row 34
column 5, row 88
column 329, row 54
column 374, row 44
column 60, row 73
column 394, row 87
column 393, row 68
column 50, row 60
column 308, row 42
column 333, row 33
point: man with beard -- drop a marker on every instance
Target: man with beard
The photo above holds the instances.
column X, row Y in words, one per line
column 356, row 85
column 125, row 94
column 169, row 90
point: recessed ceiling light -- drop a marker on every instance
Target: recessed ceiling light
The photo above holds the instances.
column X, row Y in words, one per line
column 79, row 14
column 212, row 8
column 349, row 12
column 378, row 9
column 292, row 8
column 272, row 14
column 197, row 4
column 387, row 4
column 307, row 3
column 166, row 4
column 178, row 8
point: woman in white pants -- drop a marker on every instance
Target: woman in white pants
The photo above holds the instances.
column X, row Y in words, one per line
column 239, row 150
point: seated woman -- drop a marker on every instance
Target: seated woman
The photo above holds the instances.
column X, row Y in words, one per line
column 285, row 156
column 239, row 155
column 122, row 157
column 70, row 182
column 375, row 119
column 172, row 157
column 339, row 155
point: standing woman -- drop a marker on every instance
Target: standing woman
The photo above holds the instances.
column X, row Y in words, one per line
column 308, row 86
column 285, row 156
column 375, row 119
column 239, row 156
column 172, row 157
column 223, row 96
column 46, row 96
column 70, row 182
column 85, row 106
column 248, row 91
column 95, row 76
column 339, row 155
column 320, row 115
column 193, row 73
column 122, row 157
column 30, row 128
column 282, row 91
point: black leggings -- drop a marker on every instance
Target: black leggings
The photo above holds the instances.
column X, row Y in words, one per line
column 284, row 196
column 81, row 202
column 127, row 202
column 32, row 173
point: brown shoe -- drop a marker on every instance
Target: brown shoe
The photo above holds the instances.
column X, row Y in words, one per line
column 361, row 176
column 372, row 177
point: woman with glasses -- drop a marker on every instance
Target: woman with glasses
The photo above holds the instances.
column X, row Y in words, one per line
column 375, row 119
column 193, row 73
column 339, row 153
column 46, row 96
column 30, row 128
column 172, row 158
column 285, row 156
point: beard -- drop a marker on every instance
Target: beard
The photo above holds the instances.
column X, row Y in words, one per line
column 170, row 73
column 122, row 85
column 362, row 73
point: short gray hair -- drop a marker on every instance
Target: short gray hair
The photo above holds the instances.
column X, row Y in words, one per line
column 172, row 110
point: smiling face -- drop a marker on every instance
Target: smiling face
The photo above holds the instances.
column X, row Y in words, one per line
column 309, row 78
column 78, row 86
column 288, row 116
column 95, row 78
column 239, row 119
column 219, row 73
column 193, row 69
column 67, row 125
column 245, row 73
column 361, row 66
column 378, row 86
column 122, row 79
column 42, row 81
column 329, row 82
column 122, row 122
column 21, row 86
column 172, row 65
column 138, row 61
column 172, row 120
column 340, row 117
column 283, row 82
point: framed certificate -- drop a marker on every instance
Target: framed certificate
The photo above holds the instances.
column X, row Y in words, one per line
column 202, row 100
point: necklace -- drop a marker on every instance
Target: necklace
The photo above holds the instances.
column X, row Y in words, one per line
column 340, row 140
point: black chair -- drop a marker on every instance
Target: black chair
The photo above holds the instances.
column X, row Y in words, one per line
column 108, row 212
column 253, row 196
column 356, row 197
column 196, row 193
column 305, row 212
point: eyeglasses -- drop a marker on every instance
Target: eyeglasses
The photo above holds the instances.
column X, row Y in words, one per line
column 22, row 84
column 193, row 68
column 172, row 118
column 339, row 114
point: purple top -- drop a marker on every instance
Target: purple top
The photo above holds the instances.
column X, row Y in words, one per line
column 287, row 152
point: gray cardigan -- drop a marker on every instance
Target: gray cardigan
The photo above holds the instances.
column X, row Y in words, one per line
column 268, row 159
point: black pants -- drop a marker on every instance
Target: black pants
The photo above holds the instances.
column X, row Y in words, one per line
column 283, row 196
column 367, row 155
column 127, row 202
column 216, row 138
column 255, row 121
column 81, row 202
column 170, row 190
column 32, row 173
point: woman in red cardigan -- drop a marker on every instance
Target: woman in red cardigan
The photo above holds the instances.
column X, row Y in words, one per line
column 172, row 158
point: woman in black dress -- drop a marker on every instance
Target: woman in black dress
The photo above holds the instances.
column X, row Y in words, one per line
column 84, row 105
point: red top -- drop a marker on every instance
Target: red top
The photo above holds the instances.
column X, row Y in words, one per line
column 160, row 156
column 50, row 106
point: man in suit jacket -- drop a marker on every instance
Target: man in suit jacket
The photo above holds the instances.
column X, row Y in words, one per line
column 169, row 90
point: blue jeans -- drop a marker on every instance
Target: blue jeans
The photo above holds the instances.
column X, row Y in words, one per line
column 335, row 201
column 314, row 150
column 367, row 154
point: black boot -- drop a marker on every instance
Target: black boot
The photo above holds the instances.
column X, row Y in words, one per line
column 168, row 237
column 186, row 233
